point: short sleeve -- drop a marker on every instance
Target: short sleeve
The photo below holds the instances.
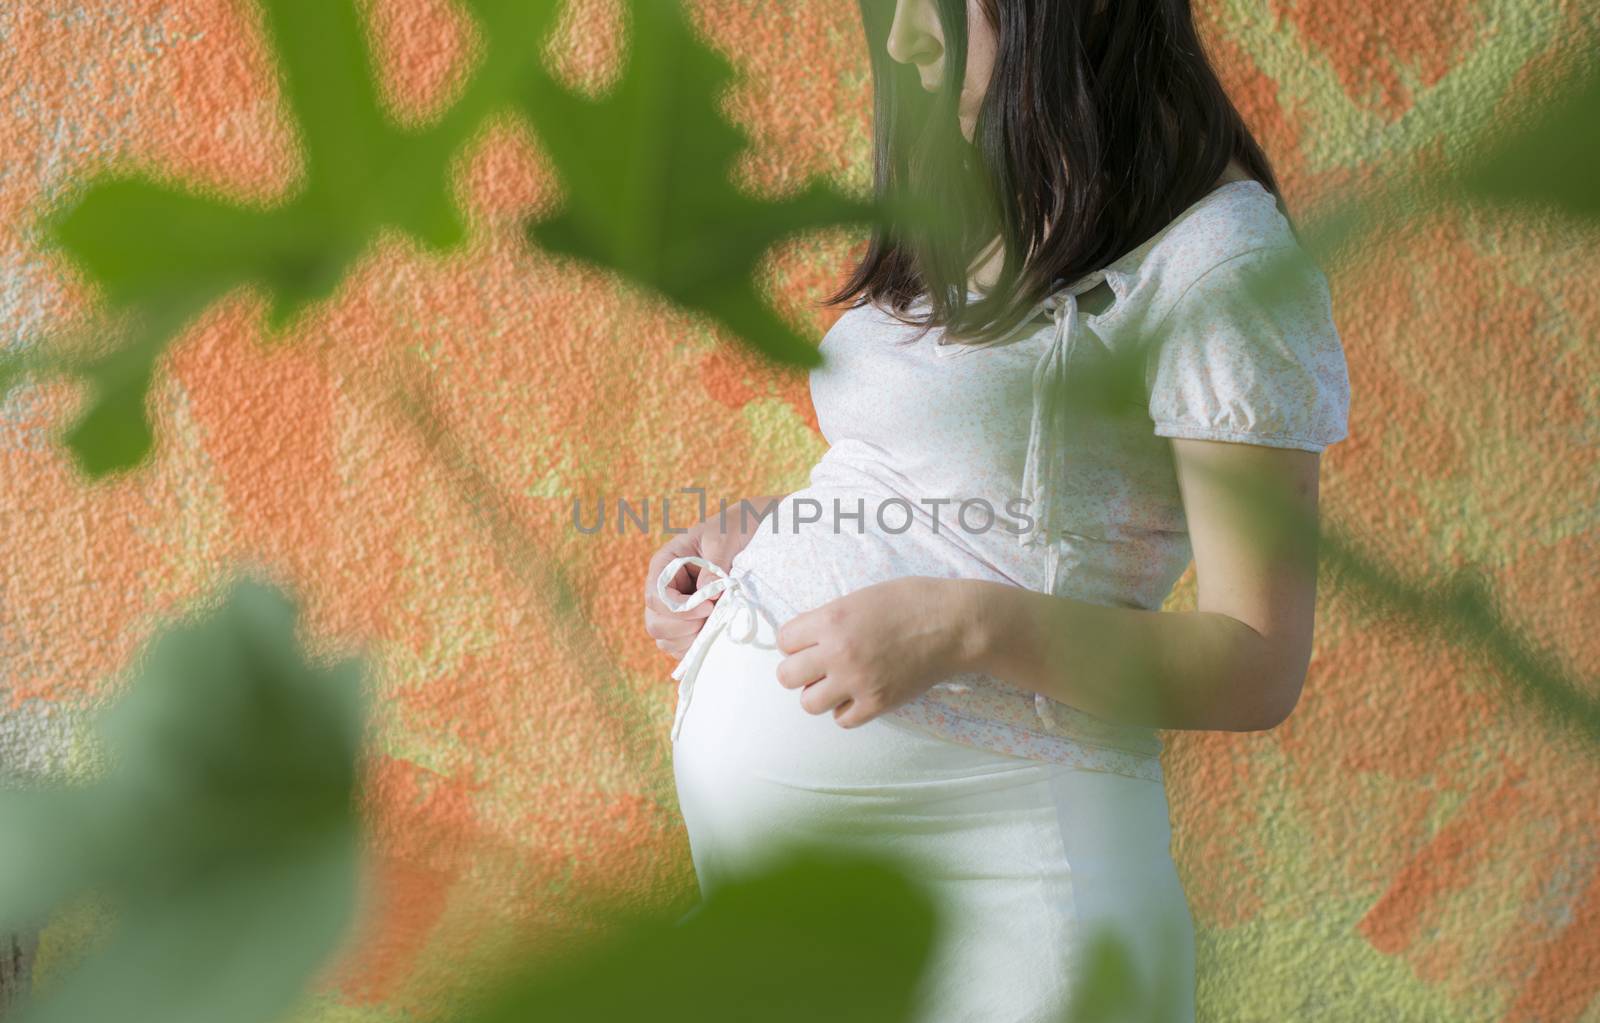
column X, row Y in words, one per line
column 1249, row 353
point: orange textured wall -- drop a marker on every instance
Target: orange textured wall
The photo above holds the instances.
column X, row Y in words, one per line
column 1408, row 846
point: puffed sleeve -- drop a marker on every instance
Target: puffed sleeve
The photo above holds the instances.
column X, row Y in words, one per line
column 1249, row 353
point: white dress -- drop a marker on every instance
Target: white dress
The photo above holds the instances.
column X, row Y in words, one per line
column 1026, row 858
column 1032, row 820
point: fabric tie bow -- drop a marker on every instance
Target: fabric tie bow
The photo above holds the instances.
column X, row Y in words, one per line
column 735, row 608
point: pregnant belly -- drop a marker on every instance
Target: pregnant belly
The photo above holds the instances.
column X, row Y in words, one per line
column 1023, row 857
column 756, row 771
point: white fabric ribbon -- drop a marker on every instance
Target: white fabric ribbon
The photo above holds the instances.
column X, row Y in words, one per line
column 734, row 608
column 1044, row 470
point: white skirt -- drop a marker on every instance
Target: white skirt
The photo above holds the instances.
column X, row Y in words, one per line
column 1026, row 858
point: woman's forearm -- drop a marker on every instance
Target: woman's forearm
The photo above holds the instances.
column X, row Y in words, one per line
column 1188, row 670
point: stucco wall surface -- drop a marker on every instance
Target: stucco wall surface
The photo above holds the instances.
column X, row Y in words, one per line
column 1410, row 845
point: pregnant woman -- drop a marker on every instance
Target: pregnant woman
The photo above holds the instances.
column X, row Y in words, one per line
column 949, row 648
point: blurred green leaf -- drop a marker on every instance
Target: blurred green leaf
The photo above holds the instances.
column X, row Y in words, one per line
column 1110, row 987
column 1549, row 157
column 646, row 170
column 1112, row 992
column 171, row 252
column 820, row 936
column 144, row 241
column 223, row 834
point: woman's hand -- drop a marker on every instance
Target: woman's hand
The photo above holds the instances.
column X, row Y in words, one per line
column 717, row 539
column 876, row 648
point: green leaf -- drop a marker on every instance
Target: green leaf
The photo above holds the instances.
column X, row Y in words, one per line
column 166, row 250
column 1548, row 159
column 818, row 936
column 1111, row 990
column 223, row 834
column 646, row 170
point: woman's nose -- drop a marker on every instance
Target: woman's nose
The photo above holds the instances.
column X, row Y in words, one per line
column 910, row 41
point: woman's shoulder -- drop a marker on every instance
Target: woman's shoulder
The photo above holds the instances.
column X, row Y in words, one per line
column 865, row 319
column 1244, row 344
column 1240, row 218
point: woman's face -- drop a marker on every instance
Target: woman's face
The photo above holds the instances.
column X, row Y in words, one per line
column 916, row 38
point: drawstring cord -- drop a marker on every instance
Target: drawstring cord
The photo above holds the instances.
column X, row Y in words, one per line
column 1044, row 469
column 744, row 610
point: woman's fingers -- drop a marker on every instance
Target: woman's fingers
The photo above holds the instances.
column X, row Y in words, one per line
column 674, row 644
column 683, row 581
column 849, row 715
column 693, row 614
column 802, row 630
column 821, row 697
column 682, row 588
column 670, row 625
column 673, row 648
column 801, row 669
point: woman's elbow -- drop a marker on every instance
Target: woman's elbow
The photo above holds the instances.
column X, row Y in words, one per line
column 1265, row 683
column 1280, row 694
column 1277, row 675
column 1279, row 703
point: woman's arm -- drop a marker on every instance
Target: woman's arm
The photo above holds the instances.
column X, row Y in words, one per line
column 1237, row 663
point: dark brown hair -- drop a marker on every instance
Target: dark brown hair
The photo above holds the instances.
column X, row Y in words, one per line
column 1101, row 123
